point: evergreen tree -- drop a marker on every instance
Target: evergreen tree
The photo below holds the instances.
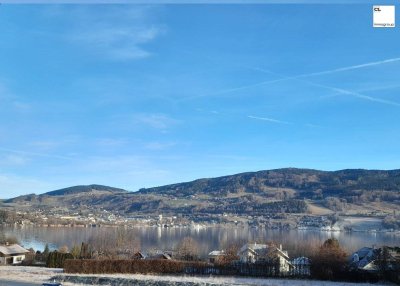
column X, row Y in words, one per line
column 85, row 251
column 383, row 262
column 46, row 251
column 56, row 259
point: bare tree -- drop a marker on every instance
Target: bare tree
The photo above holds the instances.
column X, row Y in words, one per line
column 63, row 249
column 329, row 260
column 8, row 239
column 306, row 248
column 119, row 244
column 188, row 249
column 231, row 254
column 76, row 251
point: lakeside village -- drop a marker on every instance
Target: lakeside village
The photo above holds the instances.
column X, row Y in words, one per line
column 327, row 262
column 62, row 217
column 120, row 252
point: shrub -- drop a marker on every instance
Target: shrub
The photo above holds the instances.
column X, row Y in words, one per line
column 91, row 266
column 330, row 261
column 56, row 259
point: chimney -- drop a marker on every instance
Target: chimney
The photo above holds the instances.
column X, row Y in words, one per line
column 280, row 246
column 7, row 244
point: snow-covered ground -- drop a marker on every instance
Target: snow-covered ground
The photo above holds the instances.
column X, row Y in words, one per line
column 36, row 275
column 39, row 275
column 362, row 223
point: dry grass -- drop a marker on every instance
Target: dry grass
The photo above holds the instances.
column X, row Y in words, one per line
column 318, row 209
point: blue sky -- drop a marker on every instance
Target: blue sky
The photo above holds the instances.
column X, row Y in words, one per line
column 136, row 96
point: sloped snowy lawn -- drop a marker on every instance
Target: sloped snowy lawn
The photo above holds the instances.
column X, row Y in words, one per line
column 27, row 273
column 155, row 280
column 41, row 274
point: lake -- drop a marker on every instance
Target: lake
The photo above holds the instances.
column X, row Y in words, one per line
column 209, row 238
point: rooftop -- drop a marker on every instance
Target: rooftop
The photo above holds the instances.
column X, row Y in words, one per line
column 12, row 249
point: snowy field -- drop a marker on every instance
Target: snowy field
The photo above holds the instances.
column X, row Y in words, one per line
column 363, row 223
column 38, row 275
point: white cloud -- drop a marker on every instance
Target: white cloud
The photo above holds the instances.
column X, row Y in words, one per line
column 312, row 125
column 35, row 154
column 156, row 121
column 21, row 106
column 7, row 98
column 111, row 142
column 2, row 91
column 44, row 144
column 159, row 145
column 12, row 185
column 13, row 160
column 5, row 93
column 116, row 33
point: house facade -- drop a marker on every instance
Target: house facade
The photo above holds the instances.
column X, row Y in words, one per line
column 369, row 259
column 301, row 266
column 216, row 256
column 364, row 259
column 258, row 253
column 139, row 255
column 12, row 254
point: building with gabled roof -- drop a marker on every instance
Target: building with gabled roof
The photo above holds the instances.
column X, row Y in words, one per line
column 258, row 253
column 216, row 256
column 12, row 254
column 370, row 259
column 301, row 266
column 364, row 259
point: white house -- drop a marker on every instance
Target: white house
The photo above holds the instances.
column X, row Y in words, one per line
column 255, row 252
column 301, row 266
column 12, row 254
column 368, row 258
column 216, row 256
column 364, row 259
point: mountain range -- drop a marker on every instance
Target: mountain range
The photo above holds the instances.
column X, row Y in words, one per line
column 288, row 190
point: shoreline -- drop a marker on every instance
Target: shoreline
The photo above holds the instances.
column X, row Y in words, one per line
column 204, row 226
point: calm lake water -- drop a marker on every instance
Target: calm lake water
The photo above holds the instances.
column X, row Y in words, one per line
column 208, row 238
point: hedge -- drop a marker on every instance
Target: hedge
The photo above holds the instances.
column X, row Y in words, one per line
column 90, row 266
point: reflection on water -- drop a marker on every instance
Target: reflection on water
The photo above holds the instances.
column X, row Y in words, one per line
column 208, row 238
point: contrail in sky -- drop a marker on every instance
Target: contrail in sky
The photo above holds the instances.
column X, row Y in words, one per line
column 298, row 77
column 340, row 90
column 268, row 119
column 354, row 67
